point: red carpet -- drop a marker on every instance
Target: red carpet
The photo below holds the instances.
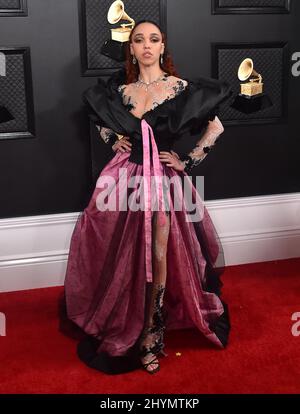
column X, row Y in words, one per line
column 262, row 356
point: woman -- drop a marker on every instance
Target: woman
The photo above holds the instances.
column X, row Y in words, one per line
column 132, row 273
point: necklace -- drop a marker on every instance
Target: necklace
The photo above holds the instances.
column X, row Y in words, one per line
column 140, row 81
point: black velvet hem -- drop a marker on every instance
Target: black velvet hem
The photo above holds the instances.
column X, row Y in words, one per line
column 87, row 353
column 88, row 345
column 87, row 349
column 221, row 327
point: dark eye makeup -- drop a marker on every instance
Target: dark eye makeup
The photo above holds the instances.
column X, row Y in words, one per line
column 153, row 39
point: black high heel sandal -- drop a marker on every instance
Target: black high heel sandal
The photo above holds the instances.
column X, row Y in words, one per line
column 157, row 330
column 144, row 352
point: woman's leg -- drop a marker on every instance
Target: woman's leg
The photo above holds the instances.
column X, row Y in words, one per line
column 154, row 329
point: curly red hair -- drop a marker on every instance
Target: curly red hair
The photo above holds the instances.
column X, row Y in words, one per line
column 132, row 71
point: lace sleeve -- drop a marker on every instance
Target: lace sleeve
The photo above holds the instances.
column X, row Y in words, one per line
column 108, row 135
column 213, row 130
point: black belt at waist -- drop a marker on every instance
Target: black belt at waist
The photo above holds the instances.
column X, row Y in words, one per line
column 136, row 154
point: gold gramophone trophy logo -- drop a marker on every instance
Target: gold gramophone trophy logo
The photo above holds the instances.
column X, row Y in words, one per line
column 114, row 47
column 251, row 97
column 254, row 84
column 116, row 13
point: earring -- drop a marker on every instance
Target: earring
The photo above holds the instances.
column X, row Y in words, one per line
column 161, row 59
column 133, row 59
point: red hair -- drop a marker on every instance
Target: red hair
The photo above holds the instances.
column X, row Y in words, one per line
column 132, row 70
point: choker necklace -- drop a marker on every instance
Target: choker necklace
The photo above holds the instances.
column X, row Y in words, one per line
column 140, row 82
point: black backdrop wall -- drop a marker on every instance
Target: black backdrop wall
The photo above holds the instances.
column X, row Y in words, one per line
column 51, row 172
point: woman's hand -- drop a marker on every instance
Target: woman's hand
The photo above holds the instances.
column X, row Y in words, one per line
column 172, row 159
column 122, row 144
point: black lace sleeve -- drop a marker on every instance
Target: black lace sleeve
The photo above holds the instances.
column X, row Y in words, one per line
column 206, row 143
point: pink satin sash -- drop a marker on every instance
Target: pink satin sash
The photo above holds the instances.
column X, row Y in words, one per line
column 146, row 128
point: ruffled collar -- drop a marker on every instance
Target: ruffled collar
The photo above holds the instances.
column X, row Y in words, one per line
column 187, row 112
column 162, row 109
column 200, row 96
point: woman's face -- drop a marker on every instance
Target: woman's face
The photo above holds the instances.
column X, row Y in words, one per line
column 146, row 44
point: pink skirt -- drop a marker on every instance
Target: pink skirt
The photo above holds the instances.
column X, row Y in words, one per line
column 108, row 274
column 109, row 270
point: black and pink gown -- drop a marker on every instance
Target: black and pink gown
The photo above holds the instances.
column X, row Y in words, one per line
column 109, row 269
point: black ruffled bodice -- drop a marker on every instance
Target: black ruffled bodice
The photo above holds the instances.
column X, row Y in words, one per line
column 188, row 112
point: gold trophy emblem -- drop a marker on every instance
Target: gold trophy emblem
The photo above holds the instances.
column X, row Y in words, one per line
column 246, row 72
column 116, row 13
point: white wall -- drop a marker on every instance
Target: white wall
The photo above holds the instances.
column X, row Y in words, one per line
column 34, row 250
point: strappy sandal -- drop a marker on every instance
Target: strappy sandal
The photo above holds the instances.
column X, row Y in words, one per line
column 157, row 330
column 154, row 361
